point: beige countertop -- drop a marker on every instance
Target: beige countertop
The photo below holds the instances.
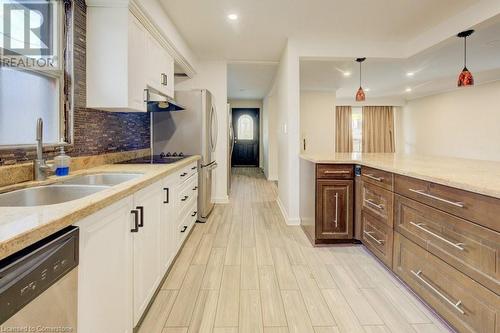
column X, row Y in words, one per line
column 23, row 226
column 477, row 176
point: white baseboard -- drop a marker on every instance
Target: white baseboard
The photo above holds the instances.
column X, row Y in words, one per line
column 288, row 220
column 221, row 200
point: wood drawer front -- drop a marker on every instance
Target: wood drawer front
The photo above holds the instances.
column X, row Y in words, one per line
column 470, row 248
column 442, row 287
column 378, row 177
column 377, row 237
column 334, row 171
column 378, row 201
column 474, row 207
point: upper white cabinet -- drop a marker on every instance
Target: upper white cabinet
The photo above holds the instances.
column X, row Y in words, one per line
column 123, row 59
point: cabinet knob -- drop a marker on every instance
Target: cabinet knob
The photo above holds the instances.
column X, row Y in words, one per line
column 184, row 228
column 184, row 174
column 185, row 198
column 194, row 214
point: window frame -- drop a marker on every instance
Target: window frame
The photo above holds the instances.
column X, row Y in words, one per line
column 63, row 75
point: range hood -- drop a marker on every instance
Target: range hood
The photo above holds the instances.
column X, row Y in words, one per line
column 159, row 103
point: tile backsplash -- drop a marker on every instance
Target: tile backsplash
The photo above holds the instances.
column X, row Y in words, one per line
column 94, row 131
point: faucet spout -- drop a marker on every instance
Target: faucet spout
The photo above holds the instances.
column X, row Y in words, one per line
column 39, row 139
column 40, row 166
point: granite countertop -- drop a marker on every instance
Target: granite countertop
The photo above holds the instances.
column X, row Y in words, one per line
column 477, row 176
column 23, row 226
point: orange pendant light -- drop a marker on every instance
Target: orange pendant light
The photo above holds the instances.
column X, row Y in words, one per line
column 360, row 94
column 465, row 78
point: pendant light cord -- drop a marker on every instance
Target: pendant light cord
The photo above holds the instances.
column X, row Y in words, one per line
column 465, row 51
column 360, row 74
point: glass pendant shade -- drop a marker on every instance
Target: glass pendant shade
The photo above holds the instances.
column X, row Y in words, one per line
column 360, row 95
column 465, row 78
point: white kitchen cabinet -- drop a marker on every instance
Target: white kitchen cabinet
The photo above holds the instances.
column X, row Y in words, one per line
column 123, row 60
column 105, row 270
column 146, row 249
column 159, row 67
column 168, row 222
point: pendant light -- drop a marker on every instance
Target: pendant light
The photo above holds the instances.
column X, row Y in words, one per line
column 360, row 95
column 465, row 78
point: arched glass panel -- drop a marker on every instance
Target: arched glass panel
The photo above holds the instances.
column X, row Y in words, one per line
column 245, row 127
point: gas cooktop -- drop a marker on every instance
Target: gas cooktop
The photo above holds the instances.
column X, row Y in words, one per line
column 157, row 159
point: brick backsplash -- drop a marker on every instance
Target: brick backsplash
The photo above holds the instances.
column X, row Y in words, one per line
column 94, row 131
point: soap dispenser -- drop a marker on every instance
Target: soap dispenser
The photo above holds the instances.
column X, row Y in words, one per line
column 61, row 163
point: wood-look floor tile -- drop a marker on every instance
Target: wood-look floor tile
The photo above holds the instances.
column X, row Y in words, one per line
column 174, row 330
column 376, row 329
column 318, row 269
column 296, row 312
column 346, row 320
column 332, row 329
column 273, row 313
column 316, row 306
column 249, row 271
column 250, row 312
column 276, row 329
column 203, row 251
column 178, row 271
column 158, row 313
column 229, row 298
column 284, row 272
column 213, row 273
column 204, row 312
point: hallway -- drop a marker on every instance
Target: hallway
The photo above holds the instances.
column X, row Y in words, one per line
column 245, row 270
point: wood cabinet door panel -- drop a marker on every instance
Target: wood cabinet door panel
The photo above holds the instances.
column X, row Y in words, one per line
column 334, row 211
column 472, row 249
column 464, row 303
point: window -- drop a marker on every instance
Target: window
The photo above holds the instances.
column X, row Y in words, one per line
column 357, row 129
column 245, row 127
column 32, row 72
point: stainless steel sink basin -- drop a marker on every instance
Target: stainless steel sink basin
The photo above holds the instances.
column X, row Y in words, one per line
column 47, row 195
column 109, row 179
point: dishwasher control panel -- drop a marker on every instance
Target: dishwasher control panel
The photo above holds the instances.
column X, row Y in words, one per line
column 28, row 273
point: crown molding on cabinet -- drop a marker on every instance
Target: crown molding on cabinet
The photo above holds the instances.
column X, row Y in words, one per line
column 142, row 15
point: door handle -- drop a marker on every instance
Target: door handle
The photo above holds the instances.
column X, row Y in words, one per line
column 136, row 221
column 141, row 215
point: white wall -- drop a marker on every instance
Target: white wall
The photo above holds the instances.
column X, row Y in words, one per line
column 270, row 137
column 462, row 123
column 255, row 104
column 317, row 122
column 212, row 75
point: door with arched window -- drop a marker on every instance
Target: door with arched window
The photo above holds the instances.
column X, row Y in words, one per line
column 246, row 137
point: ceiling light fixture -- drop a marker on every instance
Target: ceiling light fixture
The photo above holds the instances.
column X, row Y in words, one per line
column 232, row 17
column 465, row 78
column 360, row 94
column 347, row 74
column 410, row 74
column 408, row 89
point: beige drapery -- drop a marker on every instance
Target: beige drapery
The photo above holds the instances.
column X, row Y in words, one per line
column 343, row 121
column 378, row 129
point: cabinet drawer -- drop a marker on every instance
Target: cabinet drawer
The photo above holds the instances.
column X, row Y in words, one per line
column 474, row 207
column 377, row 237
column 378, row 201
column 334, row 171
column 188, row 171
column 470, row 248
column 378, row 177
column 464, row 303
column 188, row 193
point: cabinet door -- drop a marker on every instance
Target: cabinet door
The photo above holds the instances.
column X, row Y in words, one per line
column 136, row 53
column 167, row 73
column 105, row 271
column 169, row 218
column 334, row 211
column 147, row 274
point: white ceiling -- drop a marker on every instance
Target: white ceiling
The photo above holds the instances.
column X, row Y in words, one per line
column 263, row 27
column 436, row 69
column 250, row 80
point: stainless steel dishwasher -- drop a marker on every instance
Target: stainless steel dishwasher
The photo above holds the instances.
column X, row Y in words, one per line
column 38, row 286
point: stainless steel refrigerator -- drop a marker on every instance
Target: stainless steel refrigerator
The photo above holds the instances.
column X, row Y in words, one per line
column 191, row 132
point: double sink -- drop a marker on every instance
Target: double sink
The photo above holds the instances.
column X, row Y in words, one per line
column 64, row 191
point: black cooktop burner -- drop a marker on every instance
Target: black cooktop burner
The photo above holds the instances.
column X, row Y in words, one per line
column 156, row 159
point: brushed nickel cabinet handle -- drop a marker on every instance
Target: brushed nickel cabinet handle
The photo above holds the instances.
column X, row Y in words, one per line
column 336, row 209
column 455, row 305
column 379, row 179
column 369, row 234
column 374, row 204
column 336, row 171
column 423, row 193
column 459, row 246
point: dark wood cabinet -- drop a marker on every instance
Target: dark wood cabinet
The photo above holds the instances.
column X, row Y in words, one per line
column 334, row 209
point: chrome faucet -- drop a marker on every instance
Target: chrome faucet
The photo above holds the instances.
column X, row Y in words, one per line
column 40, row 166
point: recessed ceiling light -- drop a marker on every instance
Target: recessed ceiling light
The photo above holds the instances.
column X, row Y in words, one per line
column 410, row 74
column 347, row 74
column 408, row 89
column 232, row 17
column 367, row 89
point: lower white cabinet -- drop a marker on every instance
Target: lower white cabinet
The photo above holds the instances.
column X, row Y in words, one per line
column 105, row 271
column 126, row 249
column 146, row 239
